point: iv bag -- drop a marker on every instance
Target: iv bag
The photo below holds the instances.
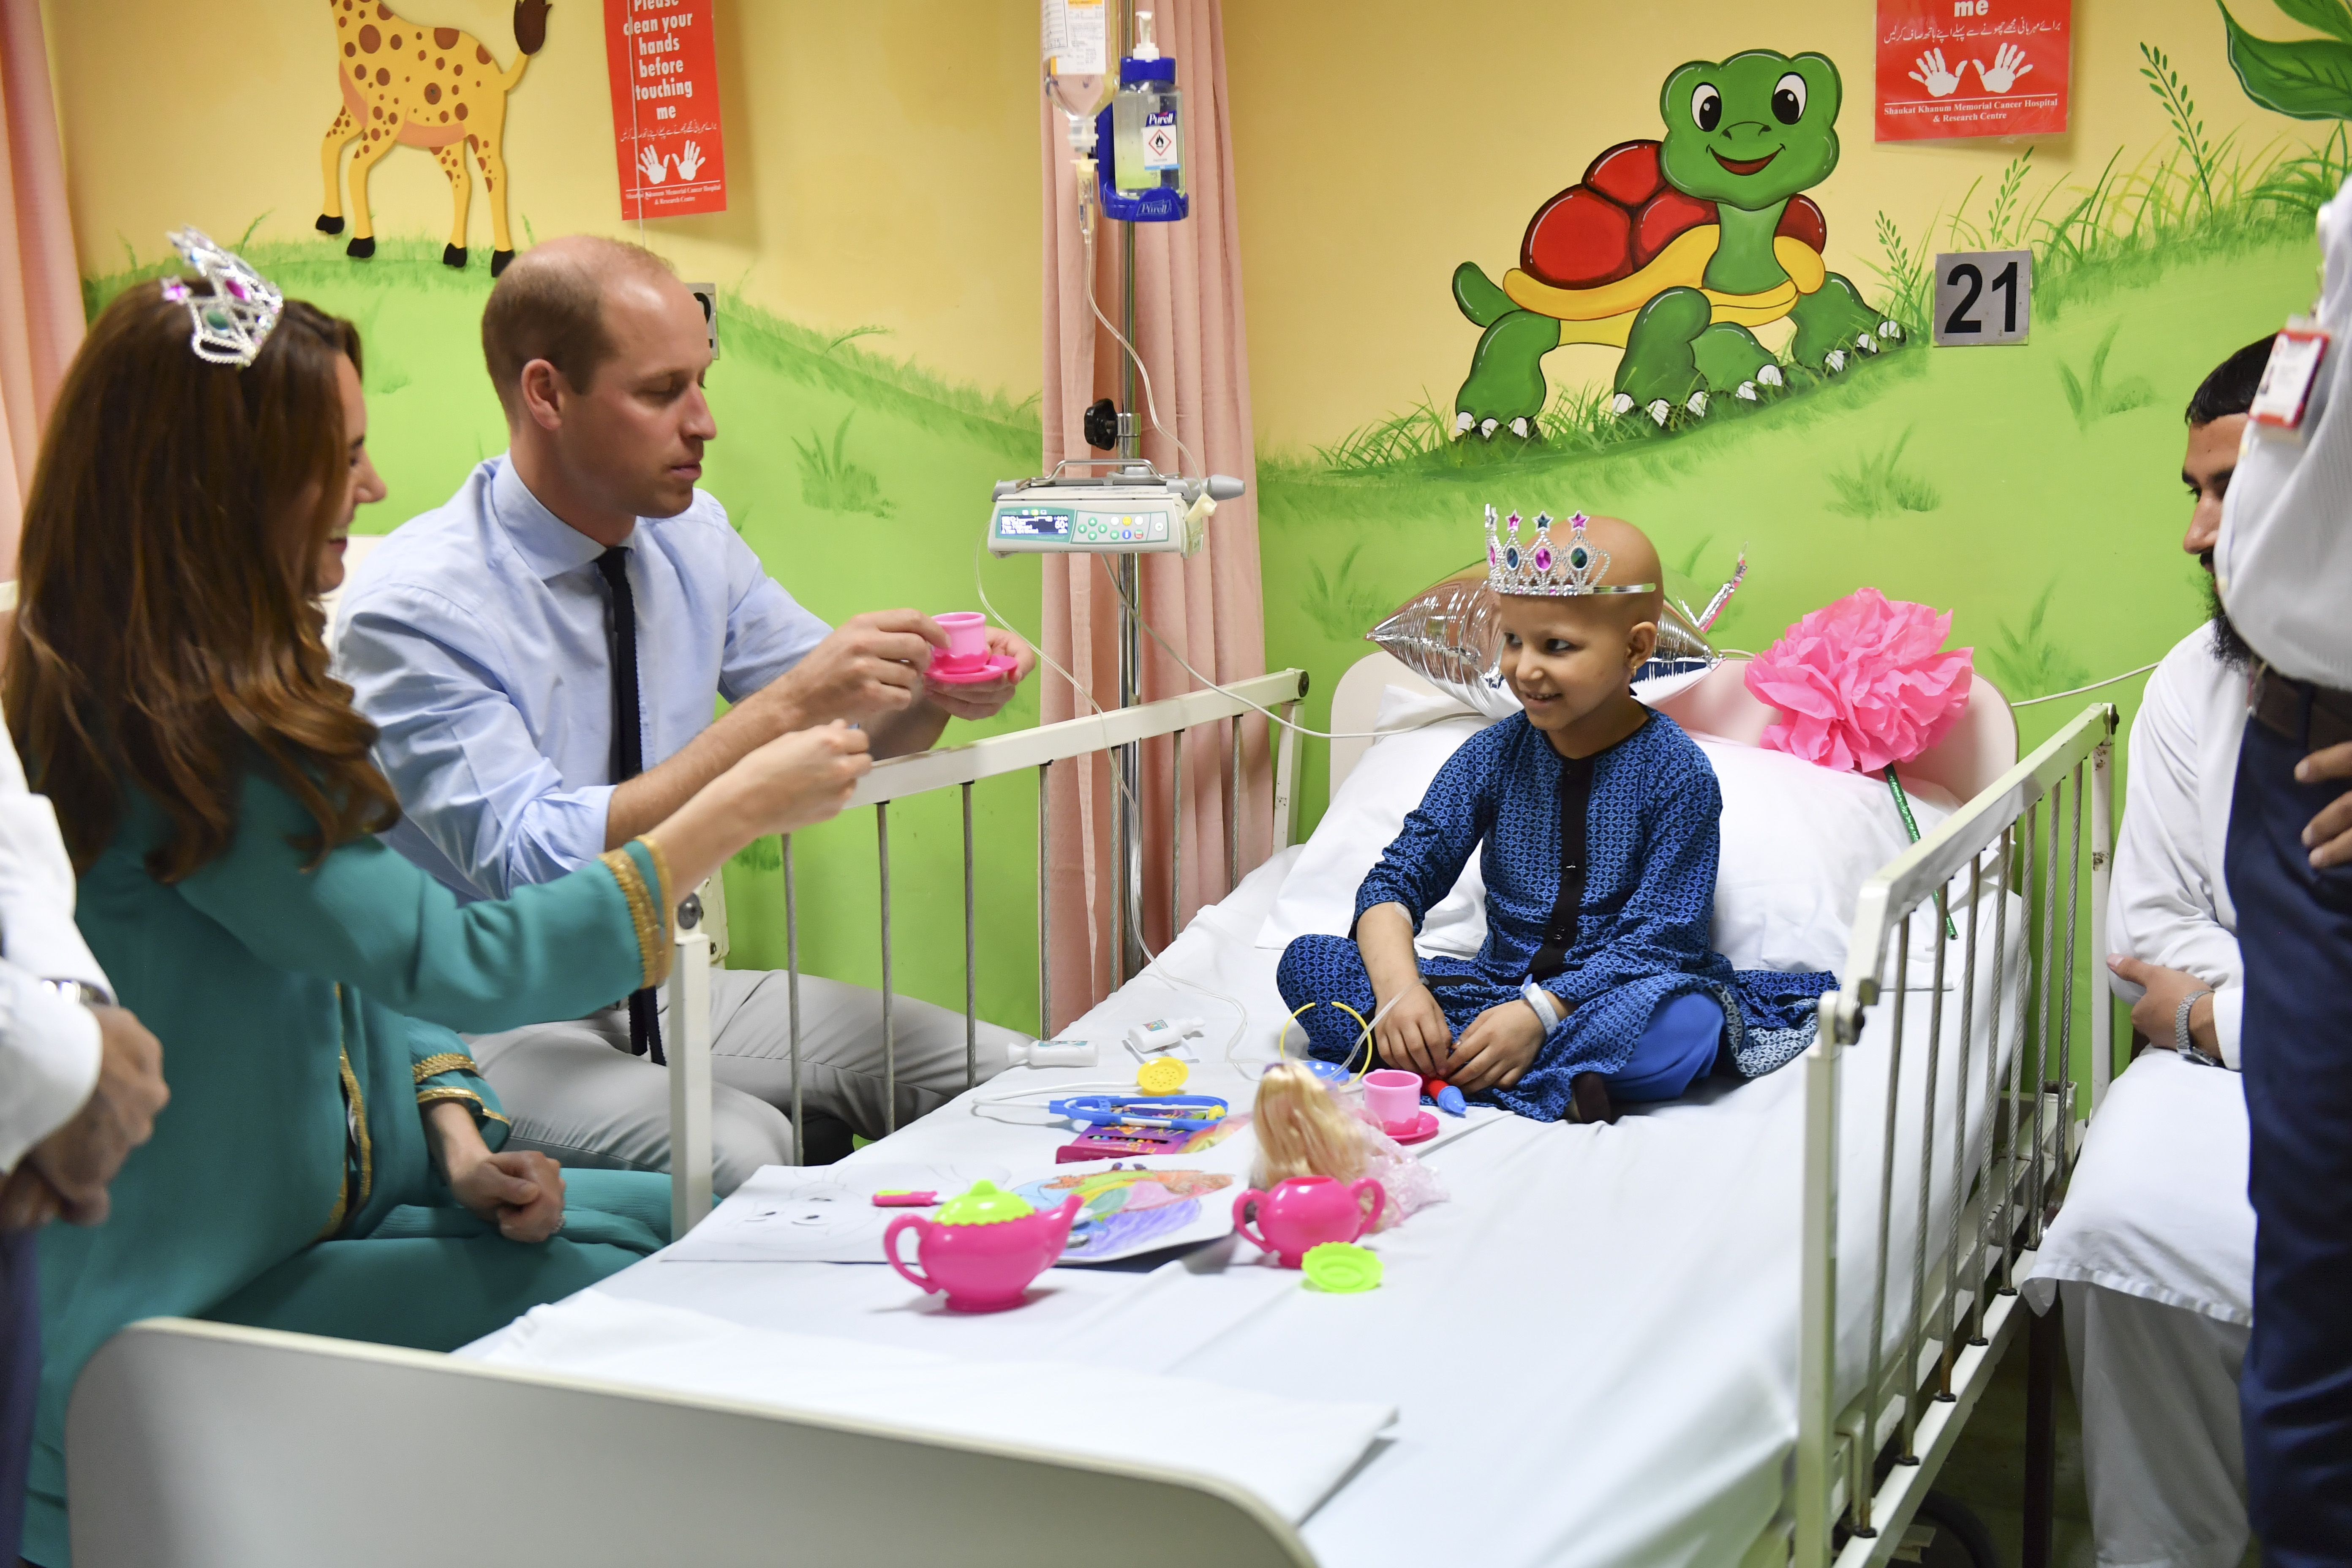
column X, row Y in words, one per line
column 1074, row 38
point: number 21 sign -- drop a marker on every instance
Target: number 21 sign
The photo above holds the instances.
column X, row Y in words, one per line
column 1983, row 297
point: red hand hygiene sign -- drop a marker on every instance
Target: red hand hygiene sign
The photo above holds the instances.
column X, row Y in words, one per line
column 663, row 59
column 1973, row 67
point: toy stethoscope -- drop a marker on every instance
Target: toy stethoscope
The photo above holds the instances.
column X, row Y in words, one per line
column 1196, row 1111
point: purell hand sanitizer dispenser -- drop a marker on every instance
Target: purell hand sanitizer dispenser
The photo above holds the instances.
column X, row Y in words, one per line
column 1143, row 178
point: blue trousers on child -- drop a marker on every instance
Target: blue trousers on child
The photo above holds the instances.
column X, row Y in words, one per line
column 1677, row 1047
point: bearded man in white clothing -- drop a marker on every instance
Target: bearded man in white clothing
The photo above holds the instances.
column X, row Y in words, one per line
column 2153, row 1253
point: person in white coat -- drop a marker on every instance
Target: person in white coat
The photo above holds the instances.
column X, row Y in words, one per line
column 2283, row 564
column 2153, row 1252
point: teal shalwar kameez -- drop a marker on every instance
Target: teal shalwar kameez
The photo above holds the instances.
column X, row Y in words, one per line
column 306, row 1020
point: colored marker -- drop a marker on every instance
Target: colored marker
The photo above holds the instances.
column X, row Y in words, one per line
column 1445, row 1096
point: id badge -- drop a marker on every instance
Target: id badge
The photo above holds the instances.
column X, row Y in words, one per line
column 2291, row 392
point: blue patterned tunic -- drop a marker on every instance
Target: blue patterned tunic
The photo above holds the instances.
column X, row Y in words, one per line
column 1600, row 885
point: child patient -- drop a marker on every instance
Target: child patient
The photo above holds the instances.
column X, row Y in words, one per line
column 1598, row 819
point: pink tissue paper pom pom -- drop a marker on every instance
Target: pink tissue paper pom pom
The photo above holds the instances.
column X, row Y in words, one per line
column 1863, row 683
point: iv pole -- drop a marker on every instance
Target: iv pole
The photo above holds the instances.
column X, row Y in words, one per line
column 1127, row 826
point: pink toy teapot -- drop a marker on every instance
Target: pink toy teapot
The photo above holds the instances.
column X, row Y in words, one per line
column 1303, row 1212
column 984, row 1248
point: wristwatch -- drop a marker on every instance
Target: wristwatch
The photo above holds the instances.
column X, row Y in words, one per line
column 2182, row 1043
column 80, row 991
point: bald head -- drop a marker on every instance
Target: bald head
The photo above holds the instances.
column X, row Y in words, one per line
column 1632, row 559
column 550, row 304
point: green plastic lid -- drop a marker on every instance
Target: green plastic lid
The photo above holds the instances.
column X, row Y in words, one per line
column 1342, row 1268
column 985, row 1204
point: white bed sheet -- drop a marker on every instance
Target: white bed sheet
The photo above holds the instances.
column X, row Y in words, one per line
column 1592, row 1346
column 2157, row 1206
column 1290, row 1452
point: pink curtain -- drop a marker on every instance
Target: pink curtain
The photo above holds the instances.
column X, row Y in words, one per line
column 40, row 291
column 1189, row 330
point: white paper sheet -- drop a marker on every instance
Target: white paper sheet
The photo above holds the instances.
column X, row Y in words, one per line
column 827, row 1214
column 816, row 1214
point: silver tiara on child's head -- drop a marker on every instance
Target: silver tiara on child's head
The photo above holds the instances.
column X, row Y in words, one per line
column 1543, row 567
column 234, row 320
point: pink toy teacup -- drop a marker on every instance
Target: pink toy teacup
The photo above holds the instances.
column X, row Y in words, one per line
column 1392, row 1096
column 1306, row 1212
column 967, row 633
column 984, row 1248
column 967, row 661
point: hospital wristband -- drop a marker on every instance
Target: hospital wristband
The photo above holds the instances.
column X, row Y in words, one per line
column 1547, row 1010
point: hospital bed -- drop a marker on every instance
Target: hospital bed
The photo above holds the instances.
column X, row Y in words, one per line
column 1746, row 1328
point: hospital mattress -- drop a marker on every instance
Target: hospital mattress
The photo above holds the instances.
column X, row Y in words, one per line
column 1593, row 1345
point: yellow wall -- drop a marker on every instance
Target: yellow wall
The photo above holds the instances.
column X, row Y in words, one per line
column 1380, row 145
column 882, row 157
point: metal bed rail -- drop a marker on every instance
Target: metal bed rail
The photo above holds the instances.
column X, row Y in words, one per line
column 1863, row 1463
column 896, row 778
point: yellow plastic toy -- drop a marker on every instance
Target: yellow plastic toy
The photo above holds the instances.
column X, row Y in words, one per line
column 1162, row 1075
column 1363, row 1038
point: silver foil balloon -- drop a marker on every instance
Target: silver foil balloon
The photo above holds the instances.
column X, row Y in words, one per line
column 1451, row 634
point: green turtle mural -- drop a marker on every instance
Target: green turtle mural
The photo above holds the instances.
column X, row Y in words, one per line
column 1674, row 249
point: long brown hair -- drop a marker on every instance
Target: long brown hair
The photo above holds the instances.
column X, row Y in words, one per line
column 166, row 629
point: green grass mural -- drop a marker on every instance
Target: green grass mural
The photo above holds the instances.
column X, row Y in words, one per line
column 1876, row 484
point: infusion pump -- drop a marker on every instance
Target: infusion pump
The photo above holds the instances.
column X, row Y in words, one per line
column 1112, row 514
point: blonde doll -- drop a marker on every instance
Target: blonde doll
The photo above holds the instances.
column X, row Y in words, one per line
column 1303, row 1130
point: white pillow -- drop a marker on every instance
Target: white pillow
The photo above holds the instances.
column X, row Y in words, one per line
column 1366, row 814
column 1798, row 843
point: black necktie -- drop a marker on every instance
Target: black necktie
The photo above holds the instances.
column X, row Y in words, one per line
column 629, row 755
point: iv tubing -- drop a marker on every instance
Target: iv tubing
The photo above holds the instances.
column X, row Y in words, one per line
column 1286, row 723
column 1168, row 975
column 2077, row 691
column 1150, row 407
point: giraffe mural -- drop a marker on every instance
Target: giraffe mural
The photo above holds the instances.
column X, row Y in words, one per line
column 435, row 88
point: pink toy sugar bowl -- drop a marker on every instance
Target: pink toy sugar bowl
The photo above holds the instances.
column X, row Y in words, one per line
column 985, row 1247
column 1305, row 1212
column 967, row 661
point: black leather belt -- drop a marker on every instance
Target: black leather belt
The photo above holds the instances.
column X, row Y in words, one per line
column 2314, row 717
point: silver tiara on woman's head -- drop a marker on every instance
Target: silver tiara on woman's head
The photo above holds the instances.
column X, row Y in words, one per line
column 1541, row 567
column 234, row 320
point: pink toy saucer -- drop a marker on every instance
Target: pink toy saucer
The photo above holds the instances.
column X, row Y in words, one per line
column 1424, row 1129
column 949, row 670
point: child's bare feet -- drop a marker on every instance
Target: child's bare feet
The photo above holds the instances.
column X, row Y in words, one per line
column 1588, row 1098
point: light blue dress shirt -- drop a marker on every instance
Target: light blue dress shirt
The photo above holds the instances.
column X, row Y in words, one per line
column 475, row 639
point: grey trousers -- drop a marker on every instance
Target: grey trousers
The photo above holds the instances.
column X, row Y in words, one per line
column 573, row 1091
